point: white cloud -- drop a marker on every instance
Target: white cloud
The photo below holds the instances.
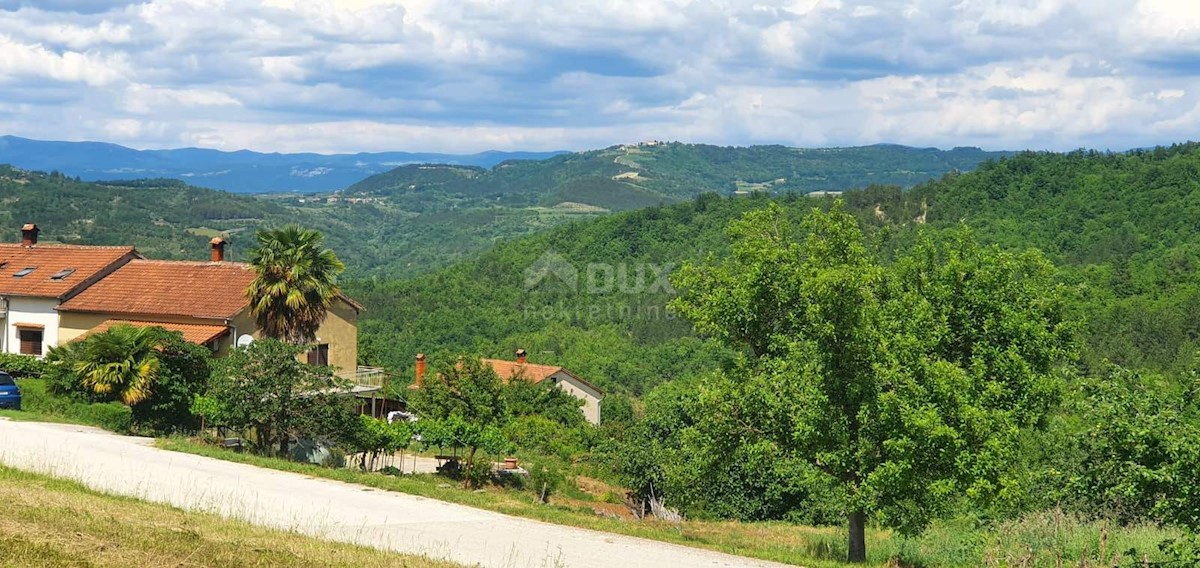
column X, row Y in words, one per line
column 19, row 61
column 467, row 75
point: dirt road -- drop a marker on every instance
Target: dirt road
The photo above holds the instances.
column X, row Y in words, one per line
column 328, row 509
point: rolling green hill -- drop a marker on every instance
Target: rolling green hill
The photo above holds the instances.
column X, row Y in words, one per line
column 633, row 176
column 418, row 218
column 1122, row 228
column 163, row 218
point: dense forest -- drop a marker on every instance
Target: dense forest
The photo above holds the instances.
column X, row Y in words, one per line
column 1101, row 248
column 1120, row 227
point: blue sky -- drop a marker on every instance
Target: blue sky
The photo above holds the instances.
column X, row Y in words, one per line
column 472, row 75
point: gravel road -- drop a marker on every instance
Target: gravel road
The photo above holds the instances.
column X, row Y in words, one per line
column 328, row 509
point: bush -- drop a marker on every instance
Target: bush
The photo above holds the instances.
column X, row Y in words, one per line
column 544, row 436
column 112, row 416
column 183, row 374
column 544, row 480
column 478, row 473
column 335, row 459
column 22, row 366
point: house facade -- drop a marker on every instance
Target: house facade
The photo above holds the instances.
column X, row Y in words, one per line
column 205, row 301
column 36, row 279
column 522, row 369
column 52, row 294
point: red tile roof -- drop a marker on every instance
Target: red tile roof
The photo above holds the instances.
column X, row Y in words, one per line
column 508, row 370
column 199, row 334
column 528, row 371
column 88, row 262
column 215, row 290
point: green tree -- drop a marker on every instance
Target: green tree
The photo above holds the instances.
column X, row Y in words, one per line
column 296, row 282
column 122, row 362
column 525, row 398
column 183, row 373
column 463, row 405
column 905, row 384
column 265, row 389
column 376, row 439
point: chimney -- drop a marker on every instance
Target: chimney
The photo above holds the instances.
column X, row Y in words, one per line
column 218, row 249
column 521, row 356
column 420, row 369
column 29, row 235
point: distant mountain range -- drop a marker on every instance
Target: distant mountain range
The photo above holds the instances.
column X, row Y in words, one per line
column 414, row 218
column 631, row 176
column 242, row 171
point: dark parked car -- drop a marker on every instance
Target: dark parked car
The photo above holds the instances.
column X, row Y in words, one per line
column 10, row 394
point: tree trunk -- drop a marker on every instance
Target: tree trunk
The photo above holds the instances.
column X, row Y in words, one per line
column 857, row 550
column 466, row 473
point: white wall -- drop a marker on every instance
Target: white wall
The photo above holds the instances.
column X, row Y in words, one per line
column 591, row 398
column 38, row 311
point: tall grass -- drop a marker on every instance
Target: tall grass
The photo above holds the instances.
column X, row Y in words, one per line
column 50, row 522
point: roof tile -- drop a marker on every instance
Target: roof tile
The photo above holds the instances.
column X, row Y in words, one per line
column 48, row 260
column 215, row 290
column 199, row 334
column 508, row 370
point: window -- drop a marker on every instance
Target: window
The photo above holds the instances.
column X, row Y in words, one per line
column 31, row 340
column 24, row 272
column 61, row 274
column 319, row 355
column 6, row 380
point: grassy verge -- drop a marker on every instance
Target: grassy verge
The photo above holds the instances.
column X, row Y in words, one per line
column 37, row 405
column 1040, row 539
column 49, row 522
column 779, row 542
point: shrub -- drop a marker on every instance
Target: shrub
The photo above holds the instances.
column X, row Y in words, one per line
column 544, row 480
column 22, row 366
column 183, row 374
column 335, row 459
column 112, row 416
column 478, row 473
column 544, row 436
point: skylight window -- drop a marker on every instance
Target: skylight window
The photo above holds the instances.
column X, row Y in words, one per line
column 24, row 272
column 62, row 274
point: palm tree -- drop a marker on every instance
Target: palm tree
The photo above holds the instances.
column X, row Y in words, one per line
column 295, row 284
column 122, row 361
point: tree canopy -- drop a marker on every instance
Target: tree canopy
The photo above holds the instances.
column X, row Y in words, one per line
column 905, row 384
column 295, row 283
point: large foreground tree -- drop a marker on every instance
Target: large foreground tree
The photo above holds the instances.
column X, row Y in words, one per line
column 265, row 389
column 903, row 384
column 295, row 284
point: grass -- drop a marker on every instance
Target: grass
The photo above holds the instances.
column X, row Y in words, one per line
column 1035, row 540
column 49, row 522
column 1038, row 539
column 779, row 542
column 37, row 405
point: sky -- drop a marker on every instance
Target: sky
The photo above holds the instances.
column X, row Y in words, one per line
column 471, row 75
